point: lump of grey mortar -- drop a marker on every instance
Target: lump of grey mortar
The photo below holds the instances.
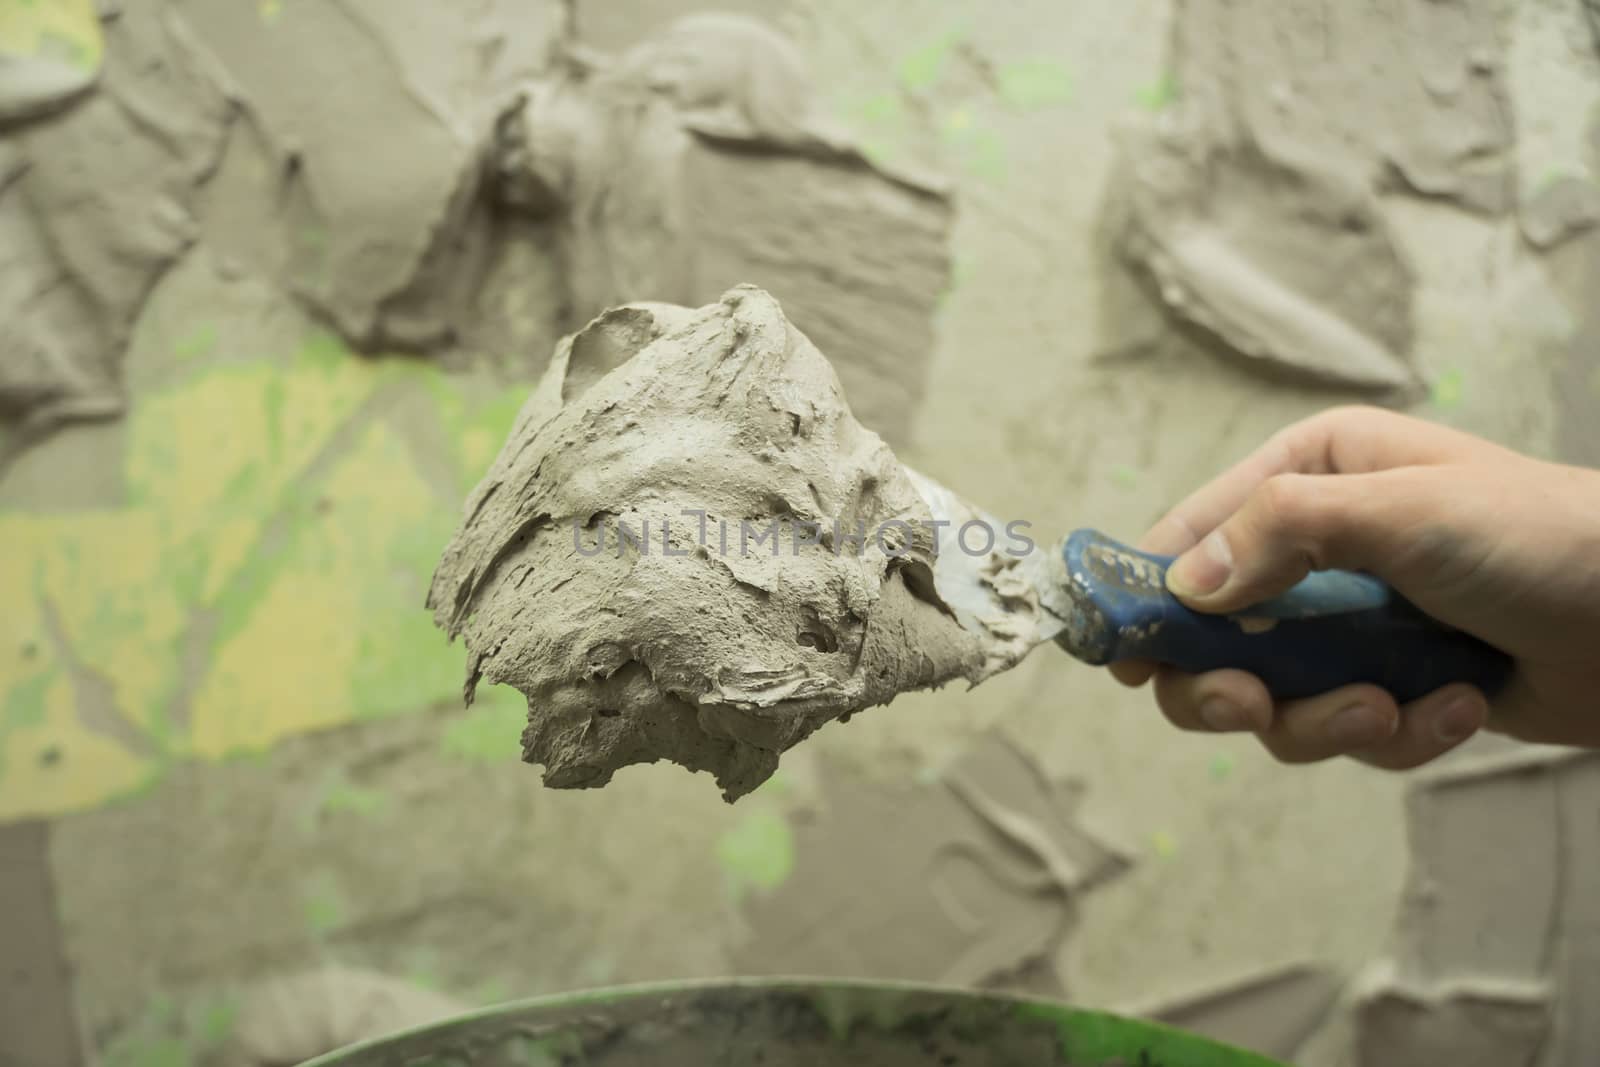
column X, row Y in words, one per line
column 716, row 658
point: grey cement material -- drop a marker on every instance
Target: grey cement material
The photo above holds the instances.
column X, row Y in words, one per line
column 38, row 1016
column 1019, row 408
column 607, row 566
column 463, row 190
column 784, row 1024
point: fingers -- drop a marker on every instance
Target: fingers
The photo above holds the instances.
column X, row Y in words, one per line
column 1430, row 727
column 1342, row 440
column 1362, row 721
column 1336, row 723
column 1293, row 524
column 1205, row 509
column 1133, row 672
column 1217, row 701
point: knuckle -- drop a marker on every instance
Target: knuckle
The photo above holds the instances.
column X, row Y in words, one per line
column 1285, row 501
column 1396, row 761
column 1344, row 418
column 1175, row 698
column 1286, row 751
column 1178, row 714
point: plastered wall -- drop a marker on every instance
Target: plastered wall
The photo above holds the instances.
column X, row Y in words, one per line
column 275, row 278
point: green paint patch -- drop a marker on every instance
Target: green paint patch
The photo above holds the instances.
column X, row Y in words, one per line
column 25, row 707
column 476, row 422
column 491, row 730
column 25, row 702
column 68, row 49
column 167, row 1033
column 324, row 905
column 342, row 796
column 426, row 977
column 779, row 785
column 1036, row 83
column 1221, row 768
column 985, row 156
column 215, row 1020
column 492, row 991
column 1163, row 844
column 1548, row 178
column 1093, row 1037
column 876, row 151
column 1159, row 95
column 757, row 852
column 962, row 271
column 1448, row 390
column 882, row 109
column 270, row 10
column 923, row 68
column 958, row 122
column 275, row 514
column 198, row 343
column 977, row 148
column 159, row 1051
column 1124, row 476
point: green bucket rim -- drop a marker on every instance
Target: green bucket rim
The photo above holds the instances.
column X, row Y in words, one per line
column 1083, row 1034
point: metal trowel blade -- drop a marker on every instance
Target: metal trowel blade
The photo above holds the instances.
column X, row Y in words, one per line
column 1006, row 590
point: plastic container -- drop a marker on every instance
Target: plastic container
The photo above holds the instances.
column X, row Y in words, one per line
column 789, row 1023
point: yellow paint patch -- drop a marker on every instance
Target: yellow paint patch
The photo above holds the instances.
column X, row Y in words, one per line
column 290, row 666
column 69, row 29
column 265, row 577
column 51, row 766
column 281, row 673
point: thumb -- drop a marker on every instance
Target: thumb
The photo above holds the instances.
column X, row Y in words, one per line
column 1293, row 524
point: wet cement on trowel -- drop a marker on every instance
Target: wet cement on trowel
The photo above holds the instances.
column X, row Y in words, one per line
column 1252, row 202
column 583, row 577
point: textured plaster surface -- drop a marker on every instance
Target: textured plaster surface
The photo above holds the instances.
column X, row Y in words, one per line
column 235, row 568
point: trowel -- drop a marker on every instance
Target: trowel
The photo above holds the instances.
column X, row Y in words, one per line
column 1105, row 602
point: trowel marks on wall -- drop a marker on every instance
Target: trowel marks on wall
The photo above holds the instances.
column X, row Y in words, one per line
column 355, row 179
column 295, row 1017
column 1251, row 203
column 1577, row 384
column 97, row 195
column 1273, row 1013
column 969, row 877
column 466, row 187
column 700, row 161
column 689, row 549
column 1499, row 945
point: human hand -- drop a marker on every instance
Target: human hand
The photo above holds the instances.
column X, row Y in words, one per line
column 1483, row 539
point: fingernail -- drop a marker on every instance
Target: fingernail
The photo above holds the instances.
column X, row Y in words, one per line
column 1223, row 716
column 1459, row 720
column 1356, row 726
column 1204, row 568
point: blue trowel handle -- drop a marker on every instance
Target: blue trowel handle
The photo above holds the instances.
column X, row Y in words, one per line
column 1335, row 628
